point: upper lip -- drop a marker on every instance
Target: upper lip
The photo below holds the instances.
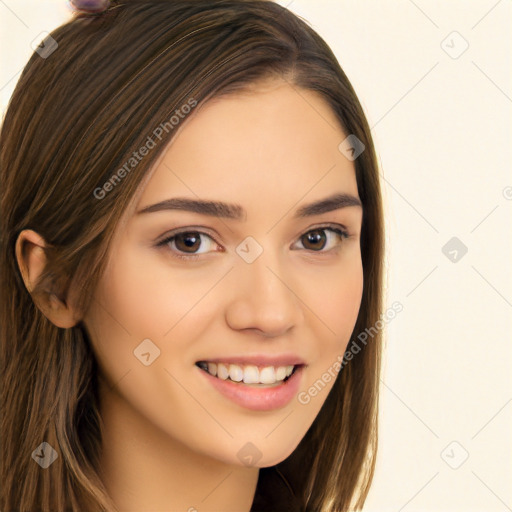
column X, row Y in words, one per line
column 259, row 360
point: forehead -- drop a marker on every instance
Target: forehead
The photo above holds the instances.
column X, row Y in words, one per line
column 271, row 139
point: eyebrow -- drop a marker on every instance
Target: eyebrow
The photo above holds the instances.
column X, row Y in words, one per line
column 237, row 212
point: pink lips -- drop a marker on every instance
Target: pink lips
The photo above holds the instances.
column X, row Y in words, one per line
column 257, row 398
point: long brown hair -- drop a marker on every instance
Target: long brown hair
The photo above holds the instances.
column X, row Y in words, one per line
column 75, row 118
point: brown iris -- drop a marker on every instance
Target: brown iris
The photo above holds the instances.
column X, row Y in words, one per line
column 314, row 237
column 190, row 239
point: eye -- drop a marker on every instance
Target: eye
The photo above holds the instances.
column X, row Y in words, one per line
column 316, row 240
column 185, row 244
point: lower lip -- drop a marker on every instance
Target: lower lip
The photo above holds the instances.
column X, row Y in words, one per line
column 256, row 398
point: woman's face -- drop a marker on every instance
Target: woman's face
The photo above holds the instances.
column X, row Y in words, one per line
column 264, row 287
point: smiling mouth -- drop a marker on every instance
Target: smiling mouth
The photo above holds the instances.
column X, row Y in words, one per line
column 257, row 376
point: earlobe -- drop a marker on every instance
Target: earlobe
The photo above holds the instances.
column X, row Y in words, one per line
column 31, row 259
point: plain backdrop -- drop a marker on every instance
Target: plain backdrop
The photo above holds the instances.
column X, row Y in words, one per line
column 434, row 79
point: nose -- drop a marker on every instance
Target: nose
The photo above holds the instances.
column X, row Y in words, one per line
column 262, row 298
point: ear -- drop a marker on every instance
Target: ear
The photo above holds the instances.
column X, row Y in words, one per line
column 31, row 258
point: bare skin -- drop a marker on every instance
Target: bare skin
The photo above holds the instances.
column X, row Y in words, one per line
column 171, row 440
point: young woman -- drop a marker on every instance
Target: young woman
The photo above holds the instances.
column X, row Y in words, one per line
column 192, row 237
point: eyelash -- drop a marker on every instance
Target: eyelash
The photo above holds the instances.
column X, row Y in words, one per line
column 343, row 234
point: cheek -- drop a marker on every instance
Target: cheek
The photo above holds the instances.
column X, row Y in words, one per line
column 141, row 298
column 345, row 299
column 335, row 299
column 144, row 298
column 335, row 305
column 125, row 311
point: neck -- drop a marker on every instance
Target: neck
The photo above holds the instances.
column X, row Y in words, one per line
column 145, row 469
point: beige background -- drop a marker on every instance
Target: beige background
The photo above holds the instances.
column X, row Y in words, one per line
column 441, row 122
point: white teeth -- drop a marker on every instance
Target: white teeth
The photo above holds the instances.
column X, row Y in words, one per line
column 222, row 371
column 235, row 372
column 281, row 373
column 249, row 374
column 268, row 375
column 212, row 368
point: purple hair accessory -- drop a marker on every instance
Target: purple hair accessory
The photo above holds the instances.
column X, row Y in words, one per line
column 92, row 6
